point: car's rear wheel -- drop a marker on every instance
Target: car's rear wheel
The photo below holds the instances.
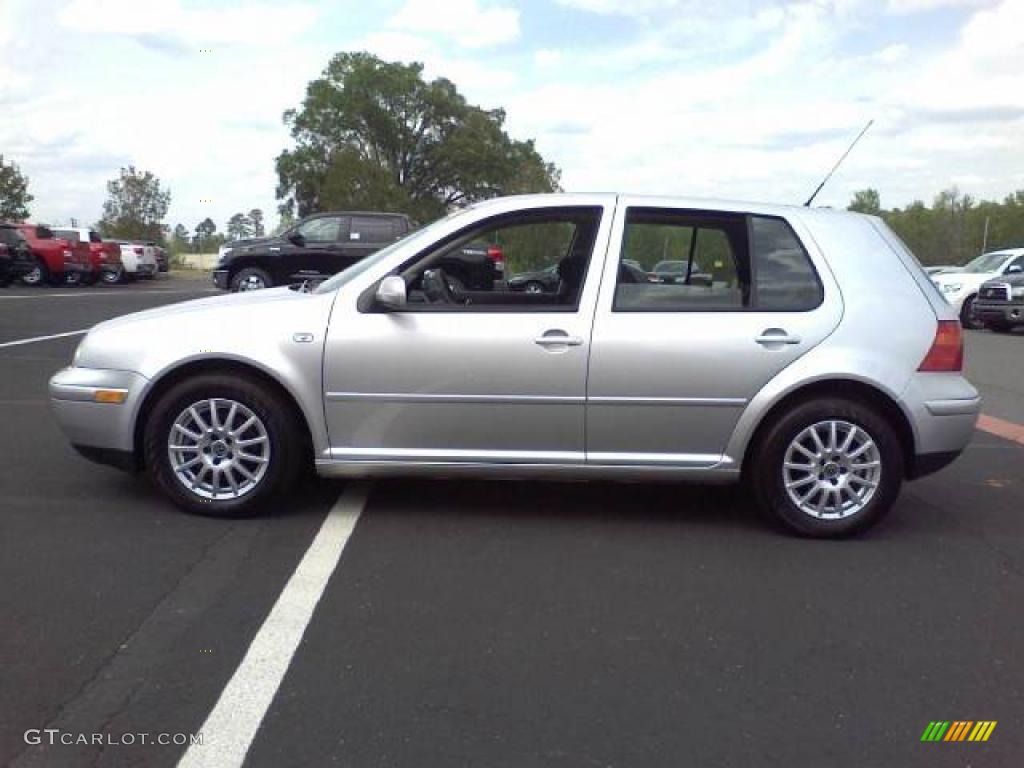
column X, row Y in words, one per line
column 534, row 287
column 72, row 278
column 828, row 468
column 251, row 279
column 969, row 314
column 223, row 446
column 38, row 275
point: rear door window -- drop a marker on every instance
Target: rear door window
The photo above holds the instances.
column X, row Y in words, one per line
column 371, row 229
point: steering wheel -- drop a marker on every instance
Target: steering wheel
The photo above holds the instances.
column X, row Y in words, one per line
column 437, row 288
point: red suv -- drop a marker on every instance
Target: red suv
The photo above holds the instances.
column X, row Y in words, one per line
column 57, row 260
column 104, row 256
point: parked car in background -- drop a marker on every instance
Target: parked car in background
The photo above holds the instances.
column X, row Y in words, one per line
column 961, row 287
column 104, row 256
column 1000, row 303
column 315, row 248
column 15, row 254
column 138, row 260
column 675, row 271
column 58, row 261
column 162, row 262
column 538, row 281
column 784, row 371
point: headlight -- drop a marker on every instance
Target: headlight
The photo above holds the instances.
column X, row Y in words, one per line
column 1017, row 293
column 951, row 287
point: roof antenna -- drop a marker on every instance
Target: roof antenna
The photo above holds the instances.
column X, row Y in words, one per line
column 838, row 163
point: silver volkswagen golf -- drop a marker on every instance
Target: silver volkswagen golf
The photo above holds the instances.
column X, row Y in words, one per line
column 770, row 357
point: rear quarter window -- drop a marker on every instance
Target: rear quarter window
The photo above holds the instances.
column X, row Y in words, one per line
column 784, row 277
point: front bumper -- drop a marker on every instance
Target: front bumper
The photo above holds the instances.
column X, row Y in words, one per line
column 91, row 424
column 220, row 279
column 1003, row 312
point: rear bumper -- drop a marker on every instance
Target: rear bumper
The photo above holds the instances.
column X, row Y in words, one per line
column 943, row 409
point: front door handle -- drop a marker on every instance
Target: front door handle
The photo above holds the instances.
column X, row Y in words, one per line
column 772, row 336
column 558, row 339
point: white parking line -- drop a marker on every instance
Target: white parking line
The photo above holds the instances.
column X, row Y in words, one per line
column 232, row 724
column 34, row 339
column 115, row 292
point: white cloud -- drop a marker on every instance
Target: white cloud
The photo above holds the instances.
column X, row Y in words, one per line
column 916, row 6
column 466, row 22
column 621, row 7
column 169, row 20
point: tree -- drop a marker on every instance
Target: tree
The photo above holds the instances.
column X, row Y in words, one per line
column 256, row 219
column 866, row 201
column 136, row 206
column 14, row 196
column 206, row 231
column 239, row 226
column 179, row 239
column 375, row 135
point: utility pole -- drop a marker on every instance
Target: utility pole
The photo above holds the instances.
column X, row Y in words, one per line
column 984, row 239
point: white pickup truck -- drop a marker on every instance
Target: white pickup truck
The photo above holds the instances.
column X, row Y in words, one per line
column 960, row 287
column 139, row 260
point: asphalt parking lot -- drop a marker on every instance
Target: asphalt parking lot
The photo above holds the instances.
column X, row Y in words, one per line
column 515, row 624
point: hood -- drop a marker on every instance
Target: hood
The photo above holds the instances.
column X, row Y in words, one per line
column 248, row 325
column 962, row 278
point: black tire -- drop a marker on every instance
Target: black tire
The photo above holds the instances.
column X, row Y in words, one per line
column 89, row 278
column 71, row 278
column 5, row 281
column 38, row 276
column 288, row 449
column 768, row 458
column 108, row 277
column 534, row 287
column 251, row 279
column 968, row 317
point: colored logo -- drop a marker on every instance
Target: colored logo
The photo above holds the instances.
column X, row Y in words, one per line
column 958, row 730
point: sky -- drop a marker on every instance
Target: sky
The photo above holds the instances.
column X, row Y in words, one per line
column 736, row 99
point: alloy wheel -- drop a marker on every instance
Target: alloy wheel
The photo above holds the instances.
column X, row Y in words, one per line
column 832, row 469
column 218, row 449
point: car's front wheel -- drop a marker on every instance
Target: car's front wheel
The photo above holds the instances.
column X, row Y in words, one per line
column 251, row 279
column 828, row 468
column 223, row 446
column 112, row 276
column 969, row 314
column 38, row 275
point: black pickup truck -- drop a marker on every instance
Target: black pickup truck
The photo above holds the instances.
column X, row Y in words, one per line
column 325, row 243
column 1000, row 303
column 16, row 257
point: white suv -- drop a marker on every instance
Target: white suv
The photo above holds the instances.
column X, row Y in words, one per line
column 960, row 288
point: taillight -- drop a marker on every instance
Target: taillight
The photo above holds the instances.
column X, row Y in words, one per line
column 138, row 251
column 947, row 351
column 495, row 254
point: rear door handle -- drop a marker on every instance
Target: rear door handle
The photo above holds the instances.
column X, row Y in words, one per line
column 776, row 336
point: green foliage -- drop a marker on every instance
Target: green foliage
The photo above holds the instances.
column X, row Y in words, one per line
column 207, row 239
column 136, row 206
column 239, row 226
column 256, row 222
column 952, row 229
column 179, row 240
column 375, row 135
column 14, row 195
column 866, row 201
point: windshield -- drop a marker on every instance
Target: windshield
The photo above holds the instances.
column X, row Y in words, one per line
column 987, row 262
column 359, row 267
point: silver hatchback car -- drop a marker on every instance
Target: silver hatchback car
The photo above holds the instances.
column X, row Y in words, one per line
column 776, row 361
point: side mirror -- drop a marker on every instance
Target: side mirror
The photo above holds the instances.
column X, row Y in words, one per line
column 296, row 238
column 1014, row 269
column 391, row 293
